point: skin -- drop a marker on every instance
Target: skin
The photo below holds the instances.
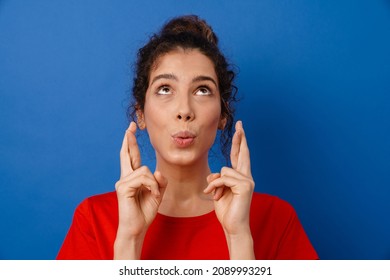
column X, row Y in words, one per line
column 183, row 95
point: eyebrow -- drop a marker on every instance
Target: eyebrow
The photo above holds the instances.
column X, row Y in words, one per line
column 199, row 78
column 164, row 76
column 204, row 78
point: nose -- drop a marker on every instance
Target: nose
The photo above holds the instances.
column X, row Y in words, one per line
column 185, row 111
column 185, row 117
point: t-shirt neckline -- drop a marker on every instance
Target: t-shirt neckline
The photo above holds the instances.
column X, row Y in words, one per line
column 185, row 221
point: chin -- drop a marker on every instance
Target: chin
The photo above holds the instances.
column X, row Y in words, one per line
column 182, row 158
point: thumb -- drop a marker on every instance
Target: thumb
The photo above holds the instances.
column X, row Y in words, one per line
column 161, row 180
column 212, row 177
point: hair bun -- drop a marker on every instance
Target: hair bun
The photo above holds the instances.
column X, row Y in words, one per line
column 190, row 24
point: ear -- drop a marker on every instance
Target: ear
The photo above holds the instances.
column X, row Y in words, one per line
column 222, row 123
column 140, row 119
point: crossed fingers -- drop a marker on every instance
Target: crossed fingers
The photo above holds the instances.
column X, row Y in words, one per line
column 239, row 174
column 130, row 158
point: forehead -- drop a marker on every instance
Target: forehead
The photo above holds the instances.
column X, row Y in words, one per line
column 182, row 63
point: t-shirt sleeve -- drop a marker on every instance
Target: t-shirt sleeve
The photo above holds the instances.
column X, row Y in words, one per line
column 294, row 243
column 80, row 241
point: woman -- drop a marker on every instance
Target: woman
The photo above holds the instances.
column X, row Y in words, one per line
column 183, row 94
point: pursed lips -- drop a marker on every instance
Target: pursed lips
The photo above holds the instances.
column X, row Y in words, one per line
column 183, row 138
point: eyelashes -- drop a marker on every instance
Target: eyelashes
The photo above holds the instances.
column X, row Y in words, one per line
column 202, row 90
column 164, row 90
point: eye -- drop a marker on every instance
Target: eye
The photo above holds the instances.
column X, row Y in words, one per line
column 164, row 90
column 203, row 91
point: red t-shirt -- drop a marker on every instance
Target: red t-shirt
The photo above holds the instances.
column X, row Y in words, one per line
column 276, row 232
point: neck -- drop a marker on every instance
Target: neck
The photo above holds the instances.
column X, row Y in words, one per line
column 185, row 181
column 184, row 193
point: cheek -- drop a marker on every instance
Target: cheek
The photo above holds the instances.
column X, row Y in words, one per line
column 156, row 122
column 210, row 120
column 213, row 114
column 153, row 113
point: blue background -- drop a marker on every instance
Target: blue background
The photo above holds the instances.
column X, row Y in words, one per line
column 314, row 82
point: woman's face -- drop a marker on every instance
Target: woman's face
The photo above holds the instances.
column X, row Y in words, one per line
column 182, row 109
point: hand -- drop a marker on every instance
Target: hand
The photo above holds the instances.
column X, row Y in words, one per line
column 139, row 192
column 233, row 188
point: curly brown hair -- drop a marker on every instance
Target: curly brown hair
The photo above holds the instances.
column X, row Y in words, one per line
column 187, row 32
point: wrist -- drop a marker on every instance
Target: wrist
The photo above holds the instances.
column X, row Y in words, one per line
column 128, row 247
column 124, row 232
column 240, row 245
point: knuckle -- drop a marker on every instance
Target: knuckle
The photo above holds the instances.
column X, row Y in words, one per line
column 144, row 170
column 154, row 185
column 119, row 187
column 224, row 170
column 247, row 189
column 248, row 186
column 251, row 185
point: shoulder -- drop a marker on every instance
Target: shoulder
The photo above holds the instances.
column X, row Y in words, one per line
column 270, row 203
column 93, row 229
column 269, row 209
column 277, row 231
column 102, row 199
column 98, row 203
